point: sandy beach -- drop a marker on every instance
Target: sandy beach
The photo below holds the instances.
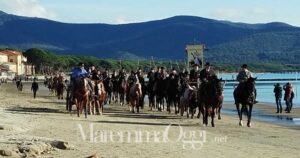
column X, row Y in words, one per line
column 41, row 127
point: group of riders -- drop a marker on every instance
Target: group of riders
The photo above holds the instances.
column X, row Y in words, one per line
column 170, row 88
column 159, row 81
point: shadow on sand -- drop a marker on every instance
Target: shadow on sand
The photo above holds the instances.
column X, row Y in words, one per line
column 33, row 110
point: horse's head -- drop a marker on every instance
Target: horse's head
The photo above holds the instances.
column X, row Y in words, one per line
column 250, row 85
column 217, row 84
column 99, row 86
column 82, row 84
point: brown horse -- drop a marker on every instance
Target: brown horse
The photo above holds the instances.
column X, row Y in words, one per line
column 81, row 95
column 60, row 87
column 99, row 98
column 135, row 94
column 211, row 98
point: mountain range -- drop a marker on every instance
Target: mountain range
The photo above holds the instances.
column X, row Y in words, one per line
column 227, row 42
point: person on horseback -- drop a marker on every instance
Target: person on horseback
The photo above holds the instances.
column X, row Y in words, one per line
column 131, row 79
column 122, row 74
column 96, row 75
column 150, row 76
column 205, row 75
column 91, row 71
column 194, row 75
column 130, row 82
column 243, row 76
column 77, row 73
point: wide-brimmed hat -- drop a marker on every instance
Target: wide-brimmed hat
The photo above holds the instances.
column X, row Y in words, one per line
column 244, row 66
column 207, row 64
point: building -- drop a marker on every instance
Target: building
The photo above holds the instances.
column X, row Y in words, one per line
column 15, row 63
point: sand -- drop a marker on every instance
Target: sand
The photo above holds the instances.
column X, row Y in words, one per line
column 42, row 128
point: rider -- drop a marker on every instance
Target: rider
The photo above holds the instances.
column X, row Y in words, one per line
column 131, row 79
column 243, row 76
column 77, row 73
column 205, row 75
column 194, row 75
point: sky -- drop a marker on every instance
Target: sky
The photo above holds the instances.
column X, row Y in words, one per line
column 132, row 11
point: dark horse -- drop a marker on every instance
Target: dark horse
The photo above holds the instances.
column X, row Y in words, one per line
column 122, row 90
column 244, row 94
column 211, row 98
column 173, row 95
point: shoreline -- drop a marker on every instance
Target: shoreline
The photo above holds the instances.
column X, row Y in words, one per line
column 265, row 112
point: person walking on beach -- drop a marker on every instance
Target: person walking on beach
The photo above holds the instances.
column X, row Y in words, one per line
column 288, row 89
column 278, row 96
column 34, row 87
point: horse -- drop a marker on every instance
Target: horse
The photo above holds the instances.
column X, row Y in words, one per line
column 122, row 91
column 81, row 95
column 188, row 101
column 46, row 82
column 244, row 94
column 135, row 94
column 69, row 102
column 211, row 99
column 159, row 90
column 60, row 87
column 115, row 89
column 109, row 89
column 172, row 90
column 99, row 98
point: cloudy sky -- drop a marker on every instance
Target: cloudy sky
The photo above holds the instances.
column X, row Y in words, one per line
column 128, row 11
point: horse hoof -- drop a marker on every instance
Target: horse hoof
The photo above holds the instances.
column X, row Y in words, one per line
column 249, row 124
column 219, row 118
column 213, row 125
column 241, row 123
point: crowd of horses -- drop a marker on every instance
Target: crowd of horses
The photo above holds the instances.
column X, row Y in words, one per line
column 163, row 94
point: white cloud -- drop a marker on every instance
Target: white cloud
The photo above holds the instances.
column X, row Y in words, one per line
column 29, row 8
column 123, row 20
column 252, row 15
column 223, row 13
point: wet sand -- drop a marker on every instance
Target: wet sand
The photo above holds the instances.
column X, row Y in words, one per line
column 34, row 126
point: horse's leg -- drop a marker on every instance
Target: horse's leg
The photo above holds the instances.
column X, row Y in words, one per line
column 181, row 107
column 176, row 104
column 206, row 116
column 199, row 111
column 219, row 112
column 203, row 113
column 239, row 113
column 85, row 107
column 121, row 99
column 169, row 106
column 89, row 108
column 187, row 110
column 137, row 105
column 78, row 107
column 213, row 117
column 249, row 115
column 101, row 106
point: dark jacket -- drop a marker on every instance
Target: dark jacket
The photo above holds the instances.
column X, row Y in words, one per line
column 34, row 86
column 204, row 75
column 278, row 91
